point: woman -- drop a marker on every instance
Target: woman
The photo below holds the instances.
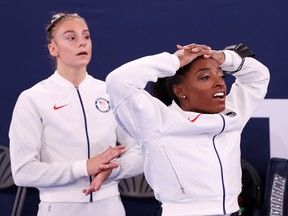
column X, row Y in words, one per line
column 192, row 147
column 63, row 132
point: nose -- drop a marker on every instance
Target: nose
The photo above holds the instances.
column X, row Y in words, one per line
column 82, row 43
column 220, row 82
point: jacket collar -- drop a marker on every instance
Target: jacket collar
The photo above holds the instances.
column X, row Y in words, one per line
column 186, row 114
column 56, row 77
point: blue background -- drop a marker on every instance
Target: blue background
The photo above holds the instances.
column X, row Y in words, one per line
column 125, row 30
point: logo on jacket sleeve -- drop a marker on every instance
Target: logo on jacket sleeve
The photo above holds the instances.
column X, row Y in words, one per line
column 231, row 114
column 102, row 104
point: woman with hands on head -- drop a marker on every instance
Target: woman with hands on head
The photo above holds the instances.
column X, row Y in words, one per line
column 191, row 140
column 63, row 133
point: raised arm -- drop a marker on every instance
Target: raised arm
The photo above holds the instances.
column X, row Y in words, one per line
column 135, row 109
column 250, row 86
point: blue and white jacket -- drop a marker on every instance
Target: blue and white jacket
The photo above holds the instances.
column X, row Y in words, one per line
column 192, row 166
column 55, row 128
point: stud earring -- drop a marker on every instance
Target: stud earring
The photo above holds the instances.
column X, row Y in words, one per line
column 183, row 96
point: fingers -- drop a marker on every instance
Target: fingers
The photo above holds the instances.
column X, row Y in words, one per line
column 113, row 152
column 97, row 182
column 94, row 187
column 88, row 191
column 219, row 56
column 100, row 178
column 110, row 154
column 111, row 165
column 103, row 161
column 193, row 47
column 188, row 53
column 118, row 147
column 198, row 49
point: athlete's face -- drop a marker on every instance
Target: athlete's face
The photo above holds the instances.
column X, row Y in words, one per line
column 71, row 43
column 204, row 87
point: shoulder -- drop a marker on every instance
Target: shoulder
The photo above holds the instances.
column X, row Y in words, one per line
column 40, row 86
column 96, row 82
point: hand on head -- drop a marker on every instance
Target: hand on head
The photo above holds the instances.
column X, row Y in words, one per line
column 218, row 56
column 188, row 53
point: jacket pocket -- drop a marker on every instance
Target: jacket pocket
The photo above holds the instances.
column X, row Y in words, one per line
column 174, row 169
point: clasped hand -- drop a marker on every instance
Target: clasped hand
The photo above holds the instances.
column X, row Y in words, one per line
column 101, row 167
column 188, row 53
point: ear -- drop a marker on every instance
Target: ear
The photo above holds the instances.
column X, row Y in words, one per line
column 177, row 91
column 52, row 50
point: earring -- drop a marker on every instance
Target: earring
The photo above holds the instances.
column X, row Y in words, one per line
column 183, row 96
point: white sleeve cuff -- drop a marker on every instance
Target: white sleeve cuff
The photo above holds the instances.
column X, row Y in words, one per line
column 232, row 61
column 79, row 169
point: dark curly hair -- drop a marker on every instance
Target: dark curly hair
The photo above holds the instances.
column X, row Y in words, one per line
column 162, row 89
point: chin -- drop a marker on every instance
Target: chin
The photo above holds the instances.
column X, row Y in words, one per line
column 220, row 110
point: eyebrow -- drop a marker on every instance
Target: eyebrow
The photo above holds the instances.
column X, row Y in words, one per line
column 202, row 69
column 71, row 31
column 205, row 69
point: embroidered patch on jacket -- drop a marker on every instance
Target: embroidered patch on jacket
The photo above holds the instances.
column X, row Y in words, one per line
column 231, row 114
column 102, row 105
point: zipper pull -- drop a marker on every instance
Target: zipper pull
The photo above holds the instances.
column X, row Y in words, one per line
column 182, row 189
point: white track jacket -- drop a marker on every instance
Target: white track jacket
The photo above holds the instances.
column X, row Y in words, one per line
column 55, row 128
column 192, row 160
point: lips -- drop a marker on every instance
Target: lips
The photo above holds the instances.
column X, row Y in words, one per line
column 219, row 95
column 82, row 53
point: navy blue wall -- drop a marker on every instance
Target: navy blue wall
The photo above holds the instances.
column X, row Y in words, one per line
column 125, row 30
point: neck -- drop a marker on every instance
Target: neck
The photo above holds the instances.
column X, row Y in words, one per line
column 73, row 75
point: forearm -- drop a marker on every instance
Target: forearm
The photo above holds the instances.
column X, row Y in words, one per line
column 132, row 161
column 28, row 165
column 250, row 86
column 252, row 70
column 135, row 75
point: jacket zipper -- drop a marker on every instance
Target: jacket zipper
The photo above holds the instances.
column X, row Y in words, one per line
column 174, row 170
column 86, row 131
column 221, row 167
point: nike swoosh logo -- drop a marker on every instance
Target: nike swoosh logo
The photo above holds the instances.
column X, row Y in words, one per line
column 59, row 107
column 193, row 120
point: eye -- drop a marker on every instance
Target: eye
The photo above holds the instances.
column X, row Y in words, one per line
column 70, row 38
column 222, row 77
column 87, row 37
column 205, row 77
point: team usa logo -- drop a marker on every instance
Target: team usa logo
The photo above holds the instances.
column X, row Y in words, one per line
column 231, row 114
column 102, row 105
